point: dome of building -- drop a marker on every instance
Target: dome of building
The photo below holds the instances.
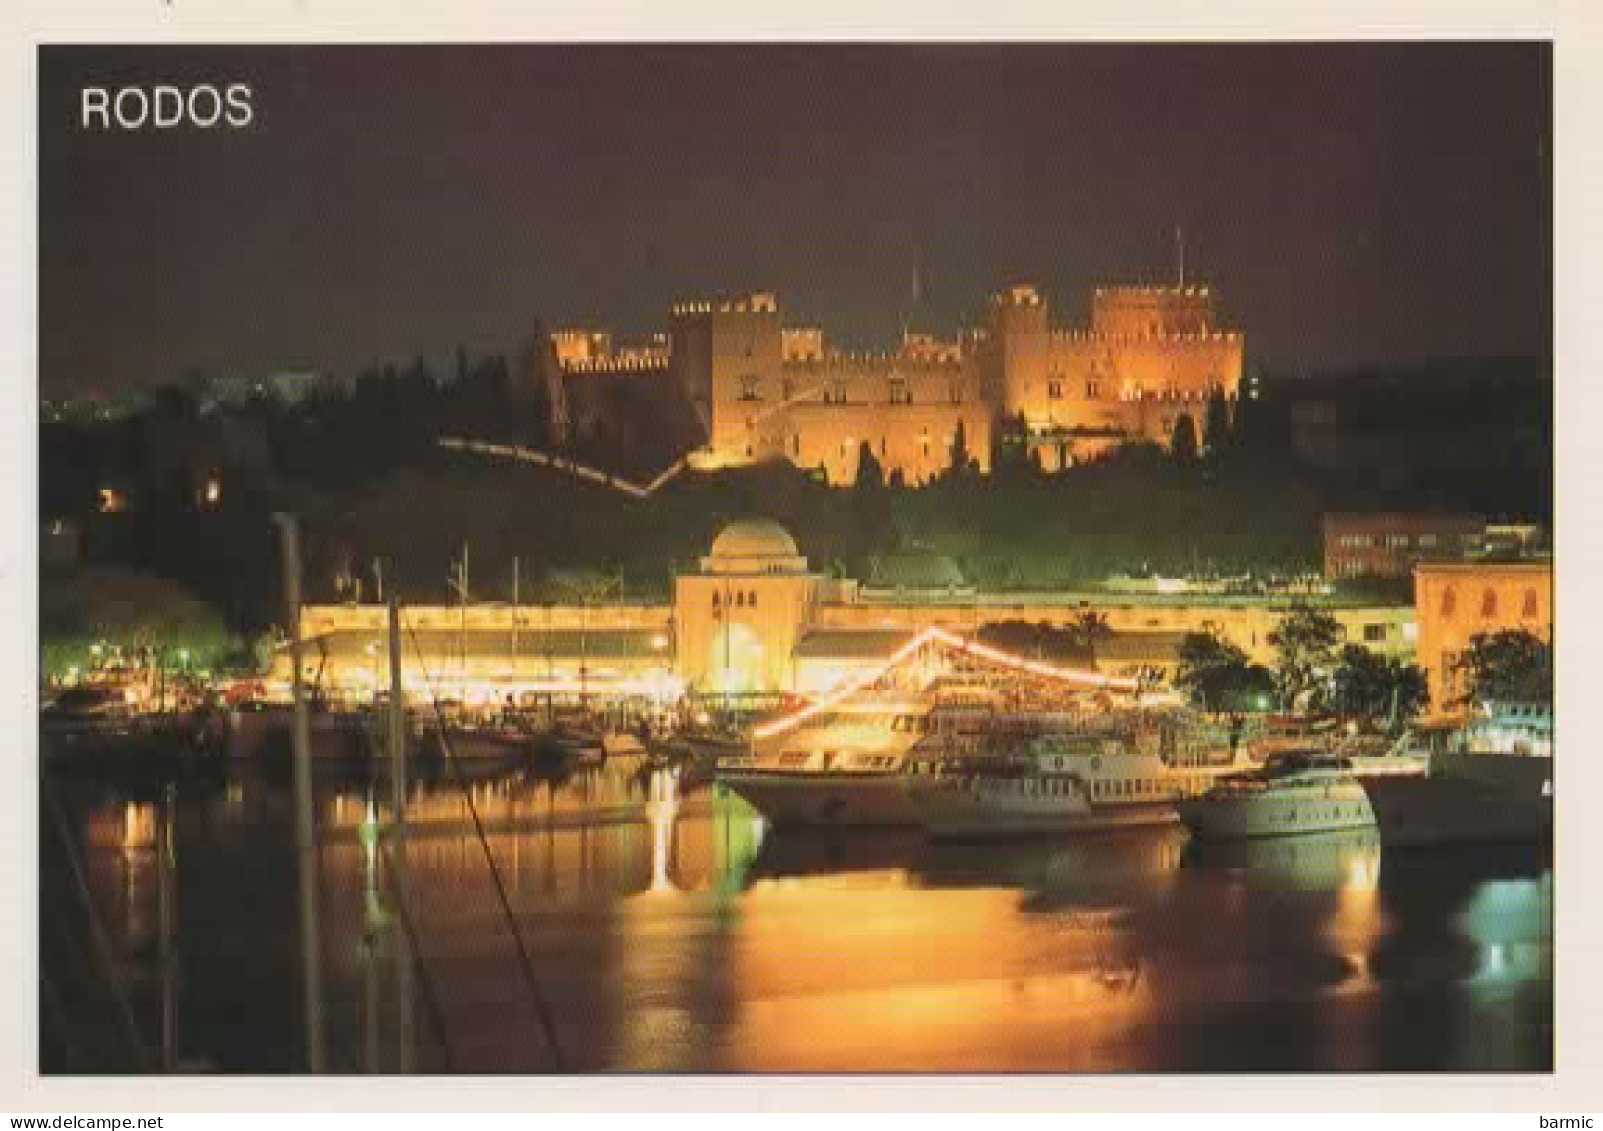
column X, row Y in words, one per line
column 756, row 545
column 754, row 538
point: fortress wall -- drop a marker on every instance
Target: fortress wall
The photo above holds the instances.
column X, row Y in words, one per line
column 915, row 438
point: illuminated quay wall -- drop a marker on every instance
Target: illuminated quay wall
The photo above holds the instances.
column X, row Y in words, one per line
column 755, row 618
column 763, row 390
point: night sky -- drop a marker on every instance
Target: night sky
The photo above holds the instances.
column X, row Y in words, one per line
column 1353, row 203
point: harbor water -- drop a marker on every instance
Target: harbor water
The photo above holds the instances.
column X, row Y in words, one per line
column 617, row 921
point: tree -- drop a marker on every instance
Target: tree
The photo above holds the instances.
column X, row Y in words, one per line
column 870, row 504
column 1366, row 683
column 1305, row 643
column 85, row 609
column 1087, row 631
column 960, row 457
column 1216, row 424
column 1063, row 645
column 870, row 474
column 1183, row 441
column 1012, row 458
column 1513, row 664
column 1218, row 675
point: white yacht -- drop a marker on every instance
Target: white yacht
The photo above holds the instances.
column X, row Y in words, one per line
column 1119, row 770
column 1293, row 792
column 979, row 760
column 850, row 764
column 947, row 707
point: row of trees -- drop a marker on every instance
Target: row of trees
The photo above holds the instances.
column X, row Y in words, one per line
column 1073, row 644
column 1314, row 670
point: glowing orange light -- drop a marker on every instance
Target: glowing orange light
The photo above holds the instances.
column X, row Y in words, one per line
column 957, row 643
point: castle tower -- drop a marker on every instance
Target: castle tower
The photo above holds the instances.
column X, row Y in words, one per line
column 1019, row 346
column 1153, row 312
column 728, row 356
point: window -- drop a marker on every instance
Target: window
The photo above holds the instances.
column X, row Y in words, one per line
column 900, row 393
column 1528, row 609
column 835, row 392
column 751, row 599
column 1489, row 604
column 1092, row 390
column 1054, row 390
column 1449, row 602
column 751, row 388
column 1374, row 633
column 787, row 389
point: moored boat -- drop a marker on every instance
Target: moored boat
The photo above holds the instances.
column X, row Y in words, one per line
column 842, row 767
column 1292, row 793
column 1492, row 786
column 972, row 760
column 99, row 730
column 480, row 749
column 1063, row 783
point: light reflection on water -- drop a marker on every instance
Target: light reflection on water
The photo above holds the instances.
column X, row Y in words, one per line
column 670, row 930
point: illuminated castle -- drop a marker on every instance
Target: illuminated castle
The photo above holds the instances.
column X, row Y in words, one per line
column 763, row 390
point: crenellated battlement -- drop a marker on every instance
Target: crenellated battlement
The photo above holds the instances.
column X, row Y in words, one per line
column 1178, row 338
column 1020, row 294
column 1146, row 355
column 876, row 360
column 624, row 363
column 1142, row 290
column 758, row 302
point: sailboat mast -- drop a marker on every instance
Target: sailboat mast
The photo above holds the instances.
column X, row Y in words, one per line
column 305, row 833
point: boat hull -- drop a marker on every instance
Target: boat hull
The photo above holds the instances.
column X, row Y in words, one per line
column 1521, row 777
column 825, row 800
column 967, row 815
column 161, row 746
column 1442, row 809
column 477, row 753
column 1296, row 812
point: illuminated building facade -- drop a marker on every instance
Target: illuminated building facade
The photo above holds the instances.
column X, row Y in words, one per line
column 1390, row 544
column 1456, row 601
column 763, row 390
column 1149, row 356
column 755, row 618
